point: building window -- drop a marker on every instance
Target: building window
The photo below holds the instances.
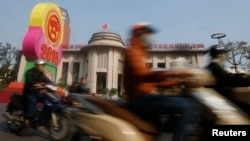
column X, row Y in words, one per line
column 65, row 67
column 161, row 65
column 101, row 81
column 76, row 69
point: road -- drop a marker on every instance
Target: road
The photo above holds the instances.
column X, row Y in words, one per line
column 25, row 135
column 30, row 134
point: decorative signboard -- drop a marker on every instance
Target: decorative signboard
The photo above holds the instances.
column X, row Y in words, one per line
column 44, row 37
column 177, row 46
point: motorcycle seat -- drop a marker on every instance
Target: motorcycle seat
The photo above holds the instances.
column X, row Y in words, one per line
column 122, row 113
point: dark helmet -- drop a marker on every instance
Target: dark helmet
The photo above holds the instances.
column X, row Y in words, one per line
column 39, row 62
column 216, row 50
column 143, row 27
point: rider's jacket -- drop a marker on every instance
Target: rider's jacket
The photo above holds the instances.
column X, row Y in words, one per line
column 140, row 80
column 82, row 89
column 32, row 77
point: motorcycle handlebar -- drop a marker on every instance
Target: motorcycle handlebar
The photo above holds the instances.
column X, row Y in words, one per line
column 46, row 86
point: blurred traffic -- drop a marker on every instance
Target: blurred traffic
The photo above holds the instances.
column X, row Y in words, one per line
column 182, row 101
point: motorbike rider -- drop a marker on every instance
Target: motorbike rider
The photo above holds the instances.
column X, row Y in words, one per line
column 82, row 88
column 140, row 85
column 34, row 78
column 226, row 83
column 74, row 87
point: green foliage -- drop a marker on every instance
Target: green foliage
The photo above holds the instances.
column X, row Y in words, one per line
column 104, row 91
column 9, row 64
column 110, row 92
column 113, row 91
column 238, row 53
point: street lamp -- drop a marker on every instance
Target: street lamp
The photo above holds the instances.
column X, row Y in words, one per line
column 218, row 36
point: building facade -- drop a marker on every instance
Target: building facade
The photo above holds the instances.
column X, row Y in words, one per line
column 101, row 61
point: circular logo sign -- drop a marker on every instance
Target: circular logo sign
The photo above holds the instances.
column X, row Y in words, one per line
column 53, row 28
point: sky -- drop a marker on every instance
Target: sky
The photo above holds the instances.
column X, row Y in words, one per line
column 178, row 21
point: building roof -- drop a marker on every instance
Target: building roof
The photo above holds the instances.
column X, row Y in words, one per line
column 104, row 39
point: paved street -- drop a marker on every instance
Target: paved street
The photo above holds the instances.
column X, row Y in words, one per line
column 25, row 135
column 29, row 134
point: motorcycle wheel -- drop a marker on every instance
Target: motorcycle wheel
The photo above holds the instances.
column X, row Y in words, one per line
column 65, row 129
column 15, row 126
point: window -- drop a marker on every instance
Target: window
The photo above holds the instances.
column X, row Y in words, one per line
column 65, row 67
column 101, row 81
column 161, row 65
column 76, row 69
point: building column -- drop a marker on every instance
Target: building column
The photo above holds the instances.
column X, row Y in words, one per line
column 154, row 60
column 167, row 64
column 194, row 62
column 200, row 60
column 70, row 70
column 81, row 72
column 59, row 73
column 92, row 67
column 115, row 69
column 110, row 68
column 85, row 66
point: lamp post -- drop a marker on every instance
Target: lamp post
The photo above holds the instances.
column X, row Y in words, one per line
column 218, row 36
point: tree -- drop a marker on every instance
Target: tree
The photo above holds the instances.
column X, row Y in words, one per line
column 9, row 64
column 237, row 55
column 246, row 65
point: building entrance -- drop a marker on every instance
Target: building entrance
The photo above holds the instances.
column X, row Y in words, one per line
column 101, row 81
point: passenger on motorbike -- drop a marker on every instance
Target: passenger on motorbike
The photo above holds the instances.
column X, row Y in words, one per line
column 34, row 79
column 82, row 89
column 227, row 84
column 79, row 87
column 140, row 84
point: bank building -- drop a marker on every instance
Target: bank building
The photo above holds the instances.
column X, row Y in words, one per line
column 101, row 60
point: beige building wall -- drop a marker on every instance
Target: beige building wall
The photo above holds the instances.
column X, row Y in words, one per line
column 90, row 65
column 103, row 57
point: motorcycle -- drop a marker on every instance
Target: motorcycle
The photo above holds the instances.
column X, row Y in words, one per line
column 56, row 118
column 103, row 120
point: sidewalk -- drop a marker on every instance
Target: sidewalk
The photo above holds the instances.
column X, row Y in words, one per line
column 2, row 109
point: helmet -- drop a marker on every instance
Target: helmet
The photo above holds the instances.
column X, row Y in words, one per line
column 216, row 50
column 39, row 62
column 143, row 26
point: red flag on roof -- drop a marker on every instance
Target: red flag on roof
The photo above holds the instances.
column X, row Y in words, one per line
column 105, row 26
